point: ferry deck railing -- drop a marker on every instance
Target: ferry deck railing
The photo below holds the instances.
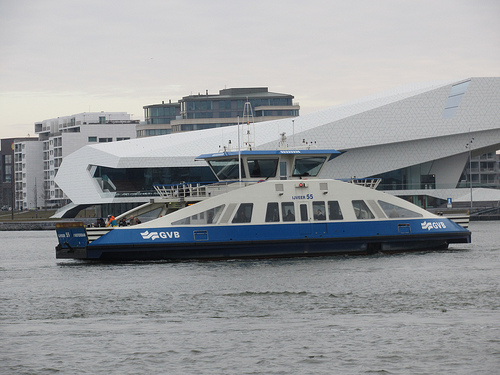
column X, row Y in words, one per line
column 371, row 183
column 198, row 190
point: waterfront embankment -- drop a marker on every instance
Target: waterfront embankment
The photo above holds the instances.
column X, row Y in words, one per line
column 34, row 220
column 27, row 225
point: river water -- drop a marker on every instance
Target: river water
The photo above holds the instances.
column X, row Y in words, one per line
column 415, row 313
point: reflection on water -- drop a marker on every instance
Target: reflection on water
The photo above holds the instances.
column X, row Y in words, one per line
column 426, row 312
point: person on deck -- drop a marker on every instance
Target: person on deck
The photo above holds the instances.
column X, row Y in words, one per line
column 134, row 220
column 111, row 221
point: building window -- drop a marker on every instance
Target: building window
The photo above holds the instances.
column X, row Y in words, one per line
column 103, row 140
column 92, row 139
column 454, row 98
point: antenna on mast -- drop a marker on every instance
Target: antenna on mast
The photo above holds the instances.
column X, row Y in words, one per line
column 250, row 125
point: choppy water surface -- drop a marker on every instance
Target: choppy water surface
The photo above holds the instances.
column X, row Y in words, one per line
column 418, row 313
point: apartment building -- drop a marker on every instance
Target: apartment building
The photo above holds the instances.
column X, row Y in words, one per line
column 485, row 171
column 205, row 111
column 28, row 174
column 59, row 137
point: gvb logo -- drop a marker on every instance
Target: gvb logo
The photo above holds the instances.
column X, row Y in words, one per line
column 150, row 236
column 154, row 235
column 433, row 225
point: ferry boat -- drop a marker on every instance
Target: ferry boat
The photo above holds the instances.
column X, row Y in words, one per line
column 266, row 204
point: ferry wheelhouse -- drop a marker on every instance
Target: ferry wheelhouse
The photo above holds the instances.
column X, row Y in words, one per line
column 266, row 204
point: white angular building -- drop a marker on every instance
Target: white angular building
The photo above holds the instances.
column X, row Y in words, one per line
column 416, row 138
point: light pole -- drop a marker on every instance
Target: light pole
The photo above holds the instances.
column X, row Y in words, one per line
column 469, row 147
column 12, row 183
column 13, row 188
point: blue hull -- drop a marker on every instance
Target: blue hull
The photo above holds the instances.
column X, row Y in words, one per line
column 262, row 241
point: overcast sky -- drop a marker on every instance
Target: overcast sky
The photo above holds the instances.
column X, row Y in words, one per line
column 61, row 57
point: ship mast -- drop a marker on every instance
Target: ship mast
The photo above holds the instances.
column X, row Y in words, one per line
column 250, row 141
column 250, row 125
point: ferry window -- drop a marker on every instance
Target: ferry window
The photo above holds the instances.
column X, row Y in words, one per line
column 362, row 211
column 288, row 211
column 303, row 212
column 228, row 213
column 244, row 213
column 282, row 170
column 185, row 221
column 262, row 167
column 207, row 217
column 213, row 214
column 334, row 211
column 227, row 169
column 308, row 166
column 272, row 213
column 319, row 210
column 391, row 210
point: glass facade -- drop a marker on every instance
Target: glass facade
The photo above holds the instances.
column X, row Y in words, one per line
column 141, row 181
column 229, row 104
column 277, row 113
column 161, row 113
column 153, row 132
column 410, row 178
column 485, row 173
column 189, row 127
column 224, row 108
column 6, row 168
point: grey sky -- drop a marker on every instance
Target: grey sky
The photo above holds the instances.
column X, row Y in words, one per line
column 61, row 57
